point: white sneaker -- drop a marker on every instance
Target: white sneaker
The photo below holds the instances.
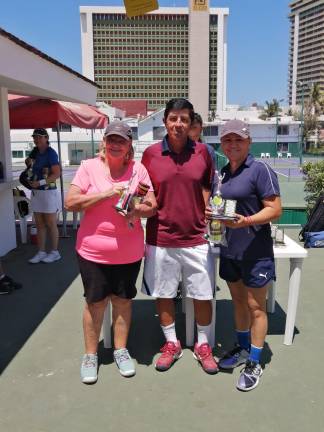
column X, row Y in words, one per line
column 38, row 257
column 51, row 257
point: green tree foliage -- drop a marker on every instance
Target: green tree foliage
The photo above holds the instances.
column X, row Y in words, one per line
column 271, row 109
column 316, row 99
column 310, row 121
column 314, row 185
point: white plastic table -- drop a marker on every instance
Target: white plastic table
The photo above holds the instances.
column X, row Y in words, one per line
column 290, row 250
column 296, row 254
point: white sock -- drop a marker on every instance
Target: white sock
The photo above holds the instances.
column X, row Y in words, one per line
column 203, row 333
column 170, row 333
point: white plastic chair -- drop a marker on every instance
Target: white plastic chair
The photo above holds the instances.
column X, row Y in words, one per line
column 268, row 155
column 279, row 155
column 262, row 155
column 289, row 155
column 23, row 220
column 76, row 217
column 187, row 308
column 106, row 326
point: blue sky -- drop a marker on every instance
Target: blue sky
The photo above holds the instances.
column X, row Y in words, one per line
column 258, row 32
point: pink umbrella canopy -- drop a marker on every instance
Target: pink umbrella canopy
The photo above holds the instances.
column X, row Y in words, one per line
column 29, row 112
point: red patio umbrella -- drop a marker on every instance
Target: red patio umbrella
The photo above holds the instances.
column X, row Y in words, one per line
column 30, row 112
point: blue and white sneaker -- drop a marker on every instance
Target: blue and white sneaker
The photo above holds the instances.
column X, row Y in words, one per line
column 236, row 357
column 250, row 376
column 89, row 368
column 124, row 362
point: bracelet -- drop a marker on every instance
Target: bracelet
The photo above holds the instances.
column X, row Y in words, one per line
column 248, row 220
column 42, row 182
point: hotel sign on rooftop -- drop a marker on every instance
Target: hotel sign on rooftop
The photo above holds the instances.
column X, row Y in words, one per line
column 140, row 7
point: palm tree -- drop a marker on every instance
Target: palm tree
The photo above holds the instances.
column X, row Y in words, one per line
column 313, row 108
column 316, row 99
column 271, row 109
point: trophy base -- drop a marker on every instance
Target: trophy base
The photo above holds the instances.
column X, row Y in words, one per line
column 121, row 210
column 223, row 217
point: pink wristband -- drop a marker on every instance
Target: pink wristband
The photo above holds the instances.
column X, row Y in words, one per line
column 248, row 220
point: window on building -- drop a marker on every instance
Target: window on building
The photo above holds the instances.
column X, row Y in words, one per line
column 63, row 128
column 135, row 132
column 282, row 147
column 158, row 132
column 27, row 153
column 283, row 130
column 17, row 154
column 210, row 131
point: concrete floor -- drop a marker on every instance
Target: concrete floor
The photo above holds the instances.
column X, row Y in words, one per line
column 41, row 346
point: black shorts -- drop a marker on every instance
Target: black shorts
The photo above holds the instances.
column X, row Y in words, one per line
column 253, row 273
column 103, row 280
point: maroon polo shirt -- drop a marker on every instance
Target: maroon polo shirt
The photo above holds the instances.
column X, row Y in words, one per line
column 178, row 181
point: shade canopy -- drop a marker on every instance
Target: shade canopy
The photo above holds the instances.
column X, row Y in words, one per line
column 28, row 112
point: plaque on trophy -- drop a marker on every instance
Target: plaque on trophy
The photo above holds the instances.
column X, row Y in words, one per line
column 222, row 209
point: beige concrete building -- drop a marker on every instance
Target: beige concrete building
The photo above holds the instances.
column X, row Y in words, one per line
column 171, row 52
column 306, row 55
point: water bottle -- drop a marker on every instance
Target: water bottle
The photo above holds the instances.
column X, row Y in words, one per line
column 33, row 235
column 30, row 171
column 45, row 175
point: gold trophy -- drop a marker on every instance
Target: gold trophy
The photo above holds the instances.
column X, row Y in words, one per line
column 222, row 209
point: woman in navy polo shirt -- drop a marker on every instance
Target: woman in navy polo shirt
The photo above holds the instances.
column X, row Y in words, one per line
column 247, row 262
column 44, row 163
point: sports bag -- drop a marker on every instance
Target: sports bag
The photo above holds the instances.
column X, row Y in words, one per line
column 314, row 239
column 315, row 222
column 23, row 207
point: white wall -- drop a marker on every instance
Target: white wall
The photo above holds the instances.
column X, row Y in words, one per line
column 24, row 72
column 7, row 222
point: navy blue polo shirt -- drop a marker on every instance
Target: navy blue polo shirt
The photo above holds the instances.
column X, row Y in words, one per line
column 178, row 180
column 44, row 160
column 251, row 183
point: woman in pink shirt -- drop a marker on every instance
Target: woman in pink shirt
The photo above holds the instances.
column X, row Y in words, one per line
column 110, row 243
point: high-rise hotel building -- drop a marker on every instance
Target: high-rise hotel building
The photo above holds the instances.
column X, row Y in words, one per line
column 171, row 52
column 306, row 56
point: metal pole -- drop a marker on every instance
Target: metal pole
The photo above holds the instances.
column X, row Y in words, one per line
column 61, row 179
column 301, row 147
column 92, row 144
column 277, row 121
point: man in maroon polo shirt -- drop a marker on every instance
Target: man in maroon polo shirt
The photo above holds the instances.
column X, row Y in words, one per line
column 181, row 172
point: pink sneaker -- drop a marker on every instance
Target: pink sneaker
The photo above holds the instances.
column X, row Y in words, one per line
column 203, row 353
column 170, row 353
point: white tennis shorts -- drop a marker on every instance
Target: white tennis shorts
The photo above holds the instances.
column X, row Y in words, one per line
column 45, row 201
column 165, row 267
